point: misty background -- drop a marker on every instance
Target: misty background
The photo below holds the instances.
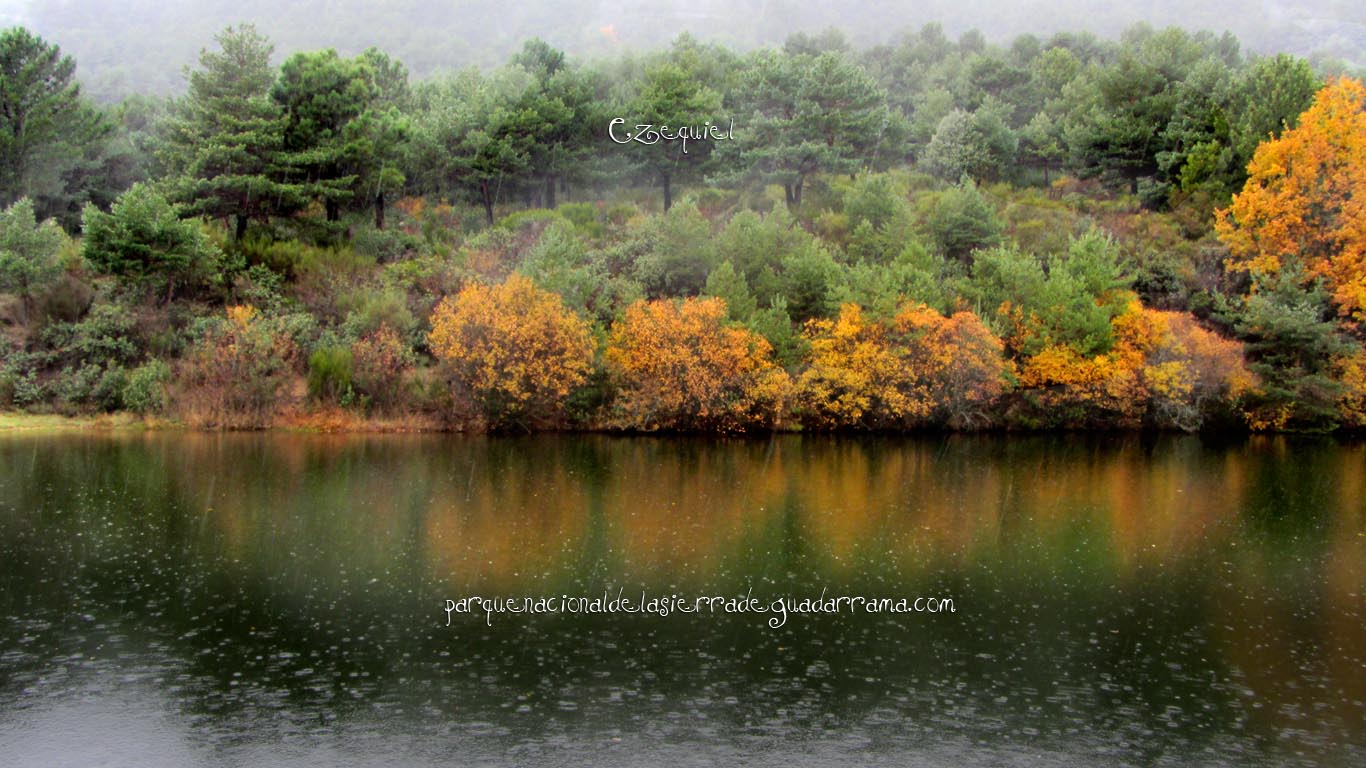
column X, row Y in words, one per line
column 142, row 46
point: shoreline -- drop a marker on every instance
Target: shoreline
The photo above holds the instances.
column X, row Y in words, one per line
column 337, row 422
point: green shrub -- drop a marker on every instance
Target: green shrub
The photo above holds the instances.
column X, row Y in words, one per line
column 384, row 245
column 107, row 334
column 145, row 391
column 587, row 218
column 372, row 309
column 108, row 392
column 963, row 222
column 89, row 385
column 329, row 373
column 537, row 218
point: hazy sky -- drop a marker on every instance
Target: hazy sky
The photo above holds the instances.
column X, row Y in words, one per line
column 123, row 46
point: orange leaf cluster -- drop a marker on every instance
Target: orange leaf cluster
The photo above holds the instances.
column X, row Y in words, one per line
column 678, row 365
column 1303, row 200
column 1164, row 368
column 920, row 367
column 1351, row 372
column 513, row 349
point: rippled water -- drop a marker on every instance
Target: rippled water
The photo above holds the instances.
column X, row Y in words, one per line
column 222, row 600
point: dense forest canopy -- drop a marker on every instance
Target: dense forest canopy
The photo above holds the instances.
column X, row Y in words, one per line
column 1154, row 230
column 141, row 46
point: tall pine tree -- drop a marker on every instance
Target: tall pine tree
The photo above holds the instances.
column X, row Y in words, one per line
column 226, row 144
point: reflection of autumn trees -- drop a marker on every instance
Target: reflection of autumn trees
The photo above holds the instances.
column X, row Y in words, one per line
column 1247, row 559
column 512, row 513
column 1273, row 618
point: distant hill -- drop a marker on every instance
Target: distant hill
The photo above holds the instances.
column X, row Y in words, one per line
column 143, row 45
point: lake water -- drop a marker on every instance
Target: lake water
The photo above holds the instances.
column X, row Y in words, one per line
column 256, row 600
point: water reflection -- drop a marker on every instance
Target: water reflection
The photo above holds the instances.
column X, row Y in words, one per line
column 199, row 599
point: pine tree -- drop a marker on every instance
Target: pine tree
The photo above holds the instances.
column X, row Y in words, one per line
column 226, row 145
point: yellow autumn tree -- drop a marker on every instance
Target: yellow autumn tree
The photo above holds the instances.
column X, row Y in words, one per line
column 1351, row 371
column 1185, row 370
column 678, row 365
column 514, row 351
column 960, row 360
column 856, row 377
column 1164, row 369
column 1303, row 200
column 916, row 369
column 1067, row 389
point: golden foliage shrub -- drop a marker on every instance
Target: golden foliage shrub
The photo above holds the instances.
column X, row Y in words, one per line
column 1164, row 370
column 677, row 365
column 513, row 351
column 920, row 368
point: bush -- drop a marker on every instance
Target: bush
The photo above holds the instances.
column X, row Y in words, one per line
column 379, row 362
column 588, row 219
column 145, row 391
column 679, row 366
column 329, row 373
column 144, row 242
column 513, row 351
column 373, row 309
column 239, row 373
column 384, row 245
column 536, row 220
column 106, row 335
column 81, row 387
column 963, row 222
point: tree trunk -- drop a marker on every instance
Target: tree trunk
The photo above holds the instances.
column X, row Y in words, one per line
column 787, row 195
column 241, row 227
column 379, row 211
column 550, row 191
column 797, row 191
column 333, row 210
column 668, row 194
column 486, row 194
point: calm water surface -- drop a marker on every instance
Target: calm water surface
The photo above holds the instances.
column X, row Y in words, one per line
column 261, row 600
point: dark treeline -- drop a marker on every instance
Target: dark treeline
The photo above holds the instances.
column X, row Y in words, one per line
column 926, row 232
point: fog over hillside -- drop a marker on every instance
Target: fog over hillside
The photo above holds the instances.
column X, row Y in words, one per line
column 142, row 45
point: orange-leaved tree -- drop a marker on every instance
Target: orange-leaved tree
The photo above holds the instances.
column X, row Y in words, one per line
column 1186, row 371
column 1304, row 202
column 680, row 365
column 960, row 359
column 1351, row 371
column 513, row 350
column 857, row 376
column 920, row 367
column 1163, row 369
